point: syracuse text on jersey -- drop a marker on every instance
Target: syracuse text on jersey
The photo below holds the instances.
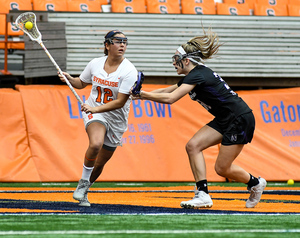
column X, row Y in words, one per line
column 105, row 82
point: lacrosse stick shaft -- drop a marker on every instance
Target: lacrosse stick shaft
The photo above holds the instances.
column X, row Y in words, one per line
column 61, row 73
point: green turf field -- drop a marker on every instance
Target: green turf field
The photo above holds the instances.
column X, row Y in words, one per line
column 62, row 226
column 147, row 225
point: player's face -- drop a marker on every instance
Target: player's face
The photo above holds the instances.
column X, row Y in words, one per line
column 118, row 45
column 178, row 62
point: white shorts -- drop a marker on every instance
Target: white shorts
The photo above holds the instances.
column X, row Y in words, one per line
column 112, row 137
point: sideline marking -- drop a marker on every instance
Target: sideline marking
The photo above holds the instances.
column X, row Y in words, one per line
column 56, row 184
column 130, row 184
column 276, row 192
column 145, row 201
column 149, row 214
column 149, row 232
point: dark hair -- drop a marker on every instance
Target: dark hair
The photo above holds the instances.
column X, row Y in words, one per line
column 108, row 37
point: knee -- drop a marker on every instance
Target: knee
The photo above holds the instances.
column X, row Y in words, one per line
column 189, row 147
column 193, row 147
column 95, row 146
column 220, row 170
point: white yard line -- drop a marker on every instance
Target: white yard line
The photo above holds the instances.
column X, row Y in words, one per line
column 90, row 232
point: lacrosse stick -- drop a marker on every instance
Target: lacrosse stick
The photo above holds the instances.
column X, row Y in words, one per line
column 136, row 89
column 27, row 23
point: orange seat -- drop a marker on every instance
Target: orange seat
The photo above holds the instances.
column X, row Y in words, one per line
column 249, row 2
column 6, row 6
column 22, row 5
column 13, row 45
column 103, row 2
column 2, row 24
column 125, row 6
column 84, row 5
column 50, row 5
column 12, row 31
column 294, row 10
column 163, row 6
column 233, row 9
column 272, row 2
column 294, row 2
column 267, row 10
column 201, row 7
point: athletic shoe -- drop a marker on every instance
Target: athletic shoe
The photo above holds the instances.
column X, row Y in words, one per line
column 201, row 199
column 81, row 190
column 256, row 192
column 84, row 202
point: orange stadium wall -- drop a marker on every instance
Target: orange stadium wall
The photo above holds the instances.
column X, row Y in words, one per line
column 43, row 137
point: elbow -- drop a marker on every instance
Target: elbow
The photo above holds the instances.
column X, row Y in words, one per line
column 119, row 105
column 170, row 101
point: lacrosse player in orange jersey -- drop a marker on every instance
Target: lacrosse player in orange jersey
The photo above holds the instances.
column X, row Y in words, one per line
column 105, row 113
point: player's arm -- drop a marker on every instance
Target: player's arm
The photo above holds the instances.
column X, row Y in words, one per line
column 112, row 105
column 166, row 90
column 168, row 97
column 160, row 90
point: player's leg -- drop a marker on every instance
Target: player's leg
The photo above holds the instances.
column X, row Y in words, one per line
column 240, row 132
column 225, row 168
column 103, row 157
column 96, row 132
column 111, row 140
column 204, row 138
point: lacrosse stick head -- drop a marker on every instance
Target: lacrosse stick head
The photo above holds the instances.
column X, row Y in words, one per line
column 136, row 89
column 33, row 32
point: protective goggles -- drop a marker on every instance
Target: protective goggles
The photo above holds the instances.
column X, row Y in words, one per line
column 191, row 56
column 177, row 58
column 118, row 40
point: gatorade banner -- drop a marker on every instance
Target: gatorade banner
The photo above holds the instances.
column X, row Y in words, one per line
column 275, row 150
column 48, row 139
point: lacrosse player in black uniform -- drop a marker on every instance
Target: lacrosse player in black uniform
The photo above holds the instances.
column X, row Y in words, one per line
column 233, row 125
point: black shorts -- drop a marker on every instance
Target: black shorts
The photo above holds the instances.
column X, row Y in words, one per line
column 240, row 130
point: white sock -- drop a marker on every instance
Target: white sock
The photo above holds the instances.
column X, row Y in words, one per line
column 86, row 172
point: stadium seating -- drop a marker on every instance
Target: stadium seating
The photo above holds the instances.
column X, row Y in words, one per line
column 84, row 5
column 104, row 2
column 233, row 9
column 294, row 2
column 249, row 2
column 267, row 10
column 7, row 5
column 50, row 5
column 294, row 10
column 163, row 6
column 201, row 7
column 272, row 2
column 128, row 6
column 12, row 29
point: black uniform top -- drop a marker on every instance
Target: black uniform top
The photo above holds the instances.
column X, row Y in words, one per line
column 214, row 94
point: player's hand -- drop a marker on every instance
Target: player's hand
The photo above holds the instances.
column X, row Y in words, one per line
column 68, row 76
column 134, row 96
column 87, row 108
